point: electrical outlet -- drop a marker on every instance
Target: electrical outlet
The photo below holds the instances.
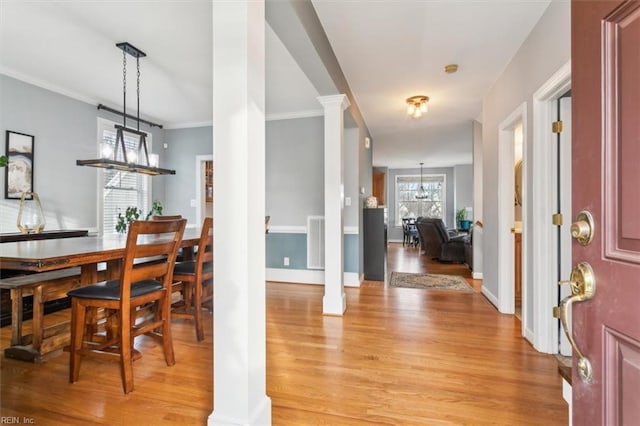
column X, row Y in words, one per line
column 286, row 261
column 192, row 202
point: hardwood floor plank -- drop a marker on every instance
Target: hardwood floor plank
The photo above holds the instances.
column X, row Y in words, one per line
column 399, row 356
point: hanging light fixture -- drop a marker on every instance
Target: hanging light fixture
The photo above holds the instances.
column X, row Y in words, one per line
column 417, row 105
column 421, row 194
column 118, row 157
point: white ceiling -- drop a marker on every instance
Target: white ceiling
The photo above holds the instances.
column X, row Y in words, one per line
column 388, row 50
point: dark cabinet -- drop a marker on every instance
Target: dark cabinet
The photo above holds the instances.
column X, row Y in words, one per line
column 375, row 244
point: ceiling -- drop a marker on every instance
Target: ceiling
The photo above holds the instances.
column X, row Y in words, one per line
column 388, row 50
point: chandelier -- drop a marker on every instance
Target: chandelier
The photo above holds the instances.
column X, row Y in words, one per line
column 118, row 157
column 417, row 105
column 421, row 194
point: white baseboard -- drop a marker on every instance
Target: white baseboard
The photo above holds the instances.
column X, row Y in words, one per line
column 476, row 275
column 394, row 241
column 309, row 276
column 528, row 334
column 490, row 296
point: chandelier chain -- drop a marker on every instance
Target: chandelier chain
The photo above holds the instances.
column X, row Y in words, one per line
column 124, row 87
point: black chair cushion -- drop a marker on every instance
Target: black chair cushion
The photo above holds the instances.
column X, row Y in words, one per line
column 189, row 268
column 110, row 290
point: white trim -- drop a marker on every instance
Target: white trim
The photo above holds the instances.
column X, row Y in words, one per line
column 199, row 185
column 528, row 334
column 287, row 229
column 490, row 296
column 506, row 291
column 351, row 230
column 476, row 275
column 47, row 86
column 567, row 395
column 309, row 276
column 545, row 336
column 394, row 240
column 293, row 115
column 172, row 126
column 292, row 229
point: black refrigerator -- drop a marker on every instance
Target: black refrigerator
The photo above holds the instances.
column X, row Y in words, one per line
column 375, row 244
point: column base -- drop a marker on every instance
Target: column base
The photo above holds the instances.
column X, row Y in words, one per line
column 261, row 415
column 334, row 305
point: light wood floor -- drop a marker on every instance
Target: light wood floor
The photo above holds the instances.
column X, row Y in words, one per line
column 398, row 356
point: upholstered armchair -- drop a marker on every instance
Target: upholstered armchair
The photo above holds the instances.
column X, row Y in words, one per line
column 436, row 242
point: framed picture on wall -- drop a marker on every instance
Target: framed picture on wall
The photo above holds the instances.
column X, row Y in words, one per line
column 18, row 176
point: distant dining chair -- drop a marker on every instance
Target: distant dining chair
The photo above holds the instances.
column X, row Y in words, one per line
column 140, row 283
column 166, row 217
column 190, row 278
column 409, row 231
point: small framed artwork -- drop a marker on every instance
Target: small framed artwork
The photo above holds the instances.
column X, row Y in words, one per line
column 18, row 176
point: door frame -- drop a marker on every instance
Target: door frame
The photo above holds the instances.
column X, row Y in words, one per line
column 506, row 216
column 200, row 186
column 544, row 332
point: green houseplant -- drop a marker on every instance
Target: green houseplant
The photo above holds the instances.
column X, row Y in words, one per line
column 133, row 213
column 461, row 215
column 3, row 161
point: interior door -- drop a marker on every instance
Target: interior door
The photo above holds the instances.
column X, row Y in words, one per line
column 606, row 182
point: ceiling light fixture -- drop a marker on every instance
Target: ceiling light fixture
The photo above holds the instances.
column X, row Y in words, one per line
column 421, row 194
column 451, row 68
column 417, row 105
column 118, row 157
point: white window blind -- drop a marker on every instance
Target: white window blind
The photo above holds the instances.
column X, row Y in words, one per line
column 407, row 205
column 121, row 189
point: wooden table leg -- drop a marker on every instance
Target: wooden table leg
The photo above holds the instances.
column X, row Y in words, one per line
column 16, row 316
column 38, row 320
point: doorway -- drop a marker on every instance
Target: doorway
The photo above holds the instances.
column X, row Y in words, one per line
column 551, row 194
column 512, row 200
column 204, row 187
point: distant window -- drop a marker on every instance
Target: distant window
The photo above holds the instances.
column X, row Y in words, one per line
column 407, row 205
column 120, row 190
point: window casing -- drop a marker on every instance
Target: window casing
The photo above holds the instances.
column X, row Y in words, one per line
column 119, row 190
column 407, row 205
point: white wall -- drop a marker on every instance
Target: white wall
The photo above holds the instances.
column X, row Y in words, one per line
column 545, row 50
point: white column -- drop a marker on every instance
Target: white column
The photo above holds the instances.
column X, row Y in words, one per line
column 239, row 353
column 334, row 301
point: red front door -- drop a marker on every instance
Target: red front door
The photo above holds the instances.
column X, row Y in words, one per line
column 605, row 38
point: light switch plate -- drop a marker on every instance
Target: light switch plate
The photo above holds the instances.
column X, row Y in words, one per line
column 193, row 203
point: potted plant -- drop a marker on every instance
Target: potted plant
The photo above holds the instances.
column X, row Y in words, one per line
column 3, row 161
column 461, row 219
column 133, row 213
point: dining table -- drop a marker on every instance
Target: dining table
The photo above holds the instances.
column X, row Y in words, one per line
column 53, row 267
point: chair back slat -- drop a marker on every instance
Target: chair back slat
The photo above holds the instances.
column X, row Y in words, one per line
column 205, row 244
column 150, row 239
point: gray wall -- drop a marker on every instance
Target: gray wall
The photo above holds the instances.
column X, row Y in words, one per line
column 395, row 232
column 294, row 170
column 295, row 188
column 463, row 175
column 183, row 145
column 545, row 51
column 65, row 130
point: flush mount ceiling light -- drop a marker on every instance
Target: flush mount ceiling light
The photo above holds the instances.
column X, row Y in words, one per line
column 118, row 157
column 451, row 68
column 417, row 105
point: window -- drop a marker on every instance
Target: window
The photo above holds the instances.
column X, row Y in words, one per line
column 407, row 205
column 120, row 189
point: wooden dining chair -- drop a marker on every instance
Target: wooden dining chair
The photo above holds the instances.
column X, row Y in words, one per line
column 190, row 278
column 140, row 283
column 166, row 217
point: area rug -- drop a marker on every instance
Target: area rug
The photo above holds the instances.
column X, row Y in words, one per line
column 430, row 281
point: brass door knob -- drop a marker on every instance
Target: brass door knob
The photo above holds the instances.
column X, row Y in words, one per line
column 583, row 228
column 583, row 287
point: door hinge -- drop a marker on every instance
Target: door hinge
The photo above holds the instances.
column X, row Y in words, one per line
column 556, row 219
column 556, row 126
